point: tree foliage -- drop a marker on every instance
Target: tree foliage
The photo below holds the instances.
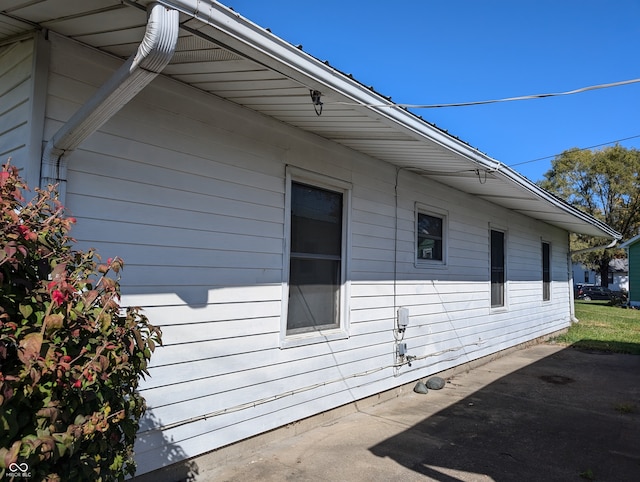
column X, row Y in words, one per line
column 70, row 358
column 603, row 183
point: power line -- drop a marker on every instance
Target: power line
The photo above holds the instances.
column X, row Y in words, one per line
column 580, row 149
column 494, row 101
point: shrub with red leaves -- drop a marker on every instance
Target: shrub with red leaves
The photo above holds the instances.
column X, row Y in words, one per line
column 70, row 357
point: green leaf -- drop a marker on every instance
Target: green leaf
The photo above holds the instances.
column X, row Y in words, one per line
column 26, row 310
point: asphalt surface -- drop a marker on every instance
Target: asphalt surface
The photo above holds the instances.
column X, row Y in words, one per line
column 544, row 413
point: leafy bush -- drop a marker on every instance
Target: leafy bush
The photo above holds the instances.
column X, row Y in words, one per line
column 70, row 357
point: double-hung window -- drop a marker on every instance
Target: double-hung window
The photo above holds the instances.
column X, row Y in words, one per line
column 546, row 271
column 430, row 237
column 317, row 241
column 497, row 268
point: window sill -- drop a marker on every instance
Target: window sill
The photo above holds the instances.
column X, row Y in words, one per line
column 311, row 338
column 430, row 265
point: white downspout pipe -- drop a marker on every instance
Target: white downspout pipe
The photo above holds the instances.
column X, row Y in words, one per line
column 595, row 248
column 153, row 54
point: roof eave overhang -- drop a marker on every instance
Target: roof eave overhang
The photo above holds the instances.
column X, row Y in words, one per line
column 227, row 29
column 250, row 40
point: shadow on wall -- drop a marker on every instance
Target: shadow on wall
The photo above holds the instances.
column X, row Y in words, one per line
column 572, row 415
column 182, row 469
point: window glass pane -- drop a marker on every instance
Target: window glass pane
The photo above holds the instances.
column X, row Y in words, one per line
column 316, row 220
column 314, row 291
column 429, row 237
column 315, row 260
column 497, row 268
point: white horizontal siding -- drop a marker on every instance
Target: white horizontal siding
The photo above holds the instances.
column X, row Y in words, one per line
column 15, row 95
column 189, row 190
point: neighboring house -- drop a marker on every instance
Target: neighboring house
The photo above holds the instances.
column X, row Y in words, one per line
column 583, row 275
column 632, row 247
column 279, row 220
column 618, row 275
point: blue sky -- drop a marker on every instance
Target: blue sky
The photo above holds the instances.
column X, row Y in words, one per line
column 434, row 52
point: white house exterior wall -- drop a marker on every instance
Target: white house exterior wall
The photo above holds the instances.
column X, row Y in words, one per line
column 15, row 95
column 189, row 189
column 22, row 103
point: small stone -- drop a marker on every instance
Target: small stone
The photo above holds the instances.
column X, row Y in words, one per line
column 435, row 383
column 420, row 388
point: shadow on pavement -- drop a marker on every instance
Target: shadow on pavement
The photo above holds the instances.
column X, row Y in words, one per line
column 573, row 415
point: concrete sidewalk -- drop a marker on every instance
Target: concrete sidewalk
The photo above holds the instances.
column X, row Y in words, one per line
column 542, row 413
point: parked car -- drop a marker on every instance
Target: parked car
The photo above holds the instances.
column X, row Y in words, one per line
column 587, row 293
column 578, row 286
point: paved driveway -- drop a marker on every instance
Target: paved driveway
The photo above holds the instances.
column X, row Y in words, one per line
column 539, row 414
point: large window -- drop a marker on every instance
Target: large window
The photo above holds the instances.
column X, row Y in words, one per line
column 316, row 258
column 429, row 238
column 546, row 271
column 497, row 268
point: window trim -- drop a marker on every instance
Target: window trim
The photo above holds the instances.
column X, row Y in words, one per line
column 504, row 305
column 438, row 213
column 294, row 174
column 546, row 288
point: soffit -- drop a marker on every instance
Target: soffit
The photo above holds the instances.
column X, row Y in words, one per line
column 208, row 60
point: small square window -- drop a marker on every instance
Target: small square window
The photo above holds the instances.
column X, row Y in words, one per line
column 429, row 238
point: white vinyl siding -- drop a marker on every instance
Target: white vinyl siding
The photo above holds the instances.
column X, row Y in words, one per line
column 22, row 105
column 15, row 91
column 191, row 191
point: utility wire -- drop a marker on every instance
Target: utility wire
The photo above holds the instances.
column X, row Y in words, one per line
column 494, row 101
column 580, row 149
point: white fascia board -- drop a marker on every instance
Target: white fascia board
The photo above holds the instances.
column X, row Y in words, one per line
column 256, row 43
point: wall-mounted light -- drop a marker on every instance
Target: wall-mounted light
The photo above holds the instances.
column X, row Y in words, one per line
column 317, row 103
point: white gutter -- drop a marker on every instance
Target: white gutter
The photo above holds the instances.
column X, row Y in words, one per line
column 256, row 43
column 153, row 54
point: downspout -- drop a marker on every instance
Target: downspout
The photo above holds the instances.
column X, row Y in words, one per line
column 153, row 54
column 595, row 248
column 572, row 307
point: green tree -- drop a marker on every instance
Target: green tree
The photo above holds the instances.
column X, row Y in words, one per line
column 604, row 183
column 70, row 357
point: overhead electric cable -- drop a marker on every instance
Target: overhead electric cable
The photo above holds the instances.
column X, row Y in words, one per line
column 580, row 149
column 494, row 101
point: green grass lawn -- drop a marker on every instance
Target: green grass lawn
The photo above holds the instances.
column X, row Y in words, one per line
column 604, row 328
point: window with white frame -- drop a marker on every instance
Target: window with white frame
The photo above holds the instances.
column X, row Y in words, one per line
column 430, row 237
column 546, row 271
column 317, row 242
column 497, row 268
